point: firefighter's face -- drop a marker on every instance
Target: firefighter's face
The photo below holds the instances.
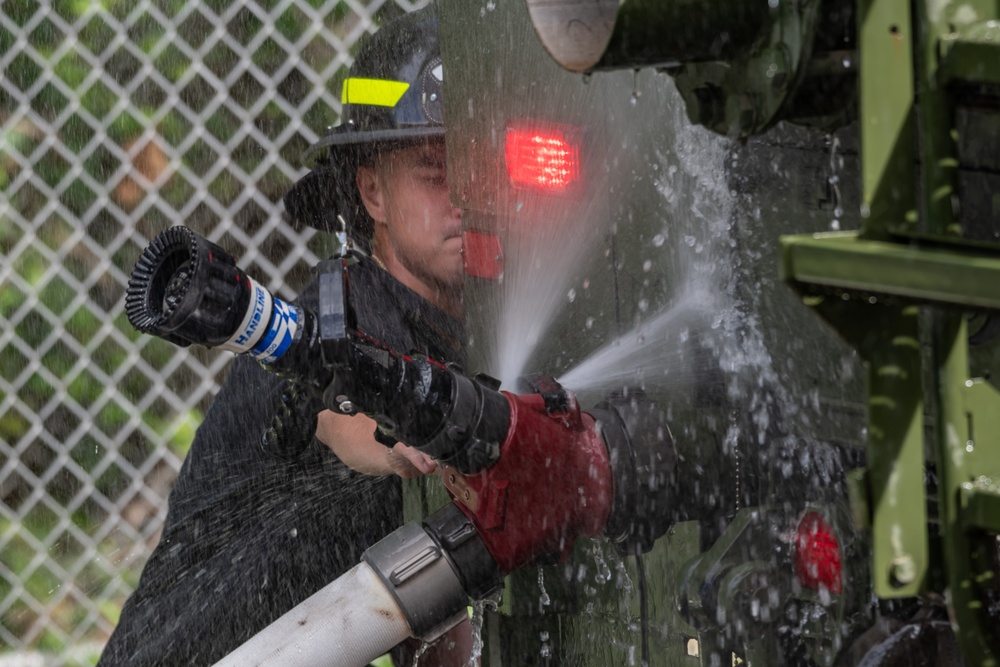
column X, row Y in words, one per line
column 417, row 230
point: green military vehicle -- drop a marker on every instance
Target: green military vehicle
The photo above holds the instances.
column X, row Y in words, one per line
column 671, row 203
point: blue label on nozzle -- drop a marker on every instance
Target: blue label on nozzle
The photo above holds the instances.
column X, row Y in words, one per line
column 258, row 314
column 280, row 334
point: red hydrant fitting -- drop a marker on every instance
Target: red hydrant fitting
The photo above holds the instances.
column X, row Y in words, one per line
column 551, row 484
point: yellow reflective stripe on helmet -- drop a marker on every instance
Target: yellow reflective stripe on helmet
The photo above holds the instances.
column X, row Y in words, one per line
column 377, row 92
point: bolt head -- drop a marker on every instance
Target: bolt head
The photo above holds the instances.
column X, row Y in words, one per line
column 902, row 570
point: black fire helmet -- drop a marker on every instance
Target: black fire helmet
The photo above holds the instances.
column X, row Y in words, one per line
column 392, row 97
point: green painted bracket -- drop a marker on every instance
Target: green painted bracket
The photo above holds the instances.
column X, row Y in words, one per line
column 852, row 267
column 887, row 338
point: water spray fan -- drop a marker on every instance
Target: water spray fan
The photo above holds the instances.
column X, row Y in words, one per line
column 529, row 472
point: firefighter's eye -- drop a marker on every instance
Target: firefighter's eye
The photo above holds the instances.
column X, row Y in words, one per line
column 435, row 178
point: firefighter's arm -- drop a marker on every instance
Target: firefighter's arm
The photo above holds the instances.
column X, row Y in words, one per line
column 352, row 439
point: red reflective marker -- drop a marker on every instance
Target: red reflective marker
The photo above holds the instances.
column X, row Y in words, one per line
column 817, row 554
column 482, row 254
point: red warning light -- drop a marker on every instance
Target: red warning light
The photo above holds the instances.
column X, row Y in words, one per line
column 543, row 158
column 817, row 554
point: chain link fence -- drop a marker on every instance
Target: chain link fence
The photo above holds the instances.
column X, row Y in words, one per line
column 119, row 119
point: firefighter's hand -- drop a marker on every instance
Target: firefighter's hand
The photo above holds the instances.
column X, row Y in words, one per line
column 409, row 462
column 351, row 438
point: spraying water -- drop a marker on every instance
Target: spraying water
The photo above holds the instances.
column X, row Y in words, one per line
column 544, row 262
column 549, row 245
column 657, row 352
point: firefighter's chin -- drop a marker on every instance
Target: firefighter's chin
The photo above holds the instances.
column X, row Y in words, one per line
column 452, row 276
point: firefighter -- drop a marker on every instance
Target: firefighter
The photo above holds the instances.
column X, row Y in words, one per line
column 248, row 534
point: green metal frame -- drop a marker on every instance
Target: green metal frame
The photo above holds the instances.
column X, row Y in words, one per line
column 870, row 286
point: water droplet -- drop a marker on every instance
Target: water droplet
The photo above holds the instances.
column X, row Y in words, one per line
column 643, row 305
column 294, row 532
column 590, row 323
column 543, row 598
column 571, row 295
column 647, row 265
column 835, row 225
column 603, row 574
column 545, row 651
column 658, row 241
column 690, row 240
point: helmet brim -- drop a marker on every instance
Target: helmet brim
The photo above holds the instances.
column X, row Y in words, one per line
column 345, row 136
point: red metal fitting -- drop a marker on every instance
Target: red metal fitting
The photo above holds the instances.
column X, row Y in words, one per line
column 552, row 483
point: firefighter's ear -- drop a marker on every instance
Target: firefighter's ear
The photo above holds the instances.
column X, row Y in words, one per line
column 372, row 193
